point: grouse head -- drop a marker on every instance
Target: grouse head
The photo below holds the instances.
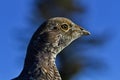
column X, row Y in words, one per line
column 57, row 33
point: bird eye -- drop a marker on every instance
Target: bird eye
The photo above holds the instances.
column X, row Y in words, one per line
column 55, row 28
column 64, row 27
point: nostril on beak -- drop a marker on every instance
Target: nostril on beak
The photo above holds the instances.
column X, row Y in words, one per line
column 85, row 32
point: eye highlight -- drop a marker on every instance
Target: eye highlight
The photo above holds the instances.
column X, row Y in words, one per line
column 65, row 27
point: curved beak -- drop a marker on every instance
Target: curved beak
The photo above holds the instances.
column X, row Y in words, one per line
column 85, row 32
column 82, row 30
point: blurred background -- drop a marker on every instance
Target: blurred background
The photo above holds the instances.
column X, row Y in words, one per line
column 95, row 57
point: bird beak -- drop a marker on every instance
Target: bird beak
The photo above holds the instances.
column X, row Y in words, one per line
column 82, row 30
column 85, row 32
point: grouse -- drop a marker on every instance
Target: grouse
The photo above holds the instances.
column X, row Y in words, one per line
column 49, row 39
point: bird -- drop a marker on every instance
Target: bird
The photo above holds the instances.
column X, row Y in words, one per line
column 46, row 43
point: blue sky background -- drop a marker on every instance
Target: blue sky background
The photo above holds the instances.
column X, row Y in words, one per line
column 103, row 16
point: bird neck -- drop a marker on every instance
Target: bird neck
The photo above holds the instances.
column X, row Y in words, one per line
column 40, row 64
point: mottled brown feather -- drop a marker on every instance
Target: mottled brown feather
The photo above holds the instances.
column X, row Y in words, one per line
column 49, row 39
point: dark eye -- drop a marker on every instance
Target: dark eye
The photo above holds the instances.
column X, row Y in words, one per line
column 55, row 28
column 64, row 27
